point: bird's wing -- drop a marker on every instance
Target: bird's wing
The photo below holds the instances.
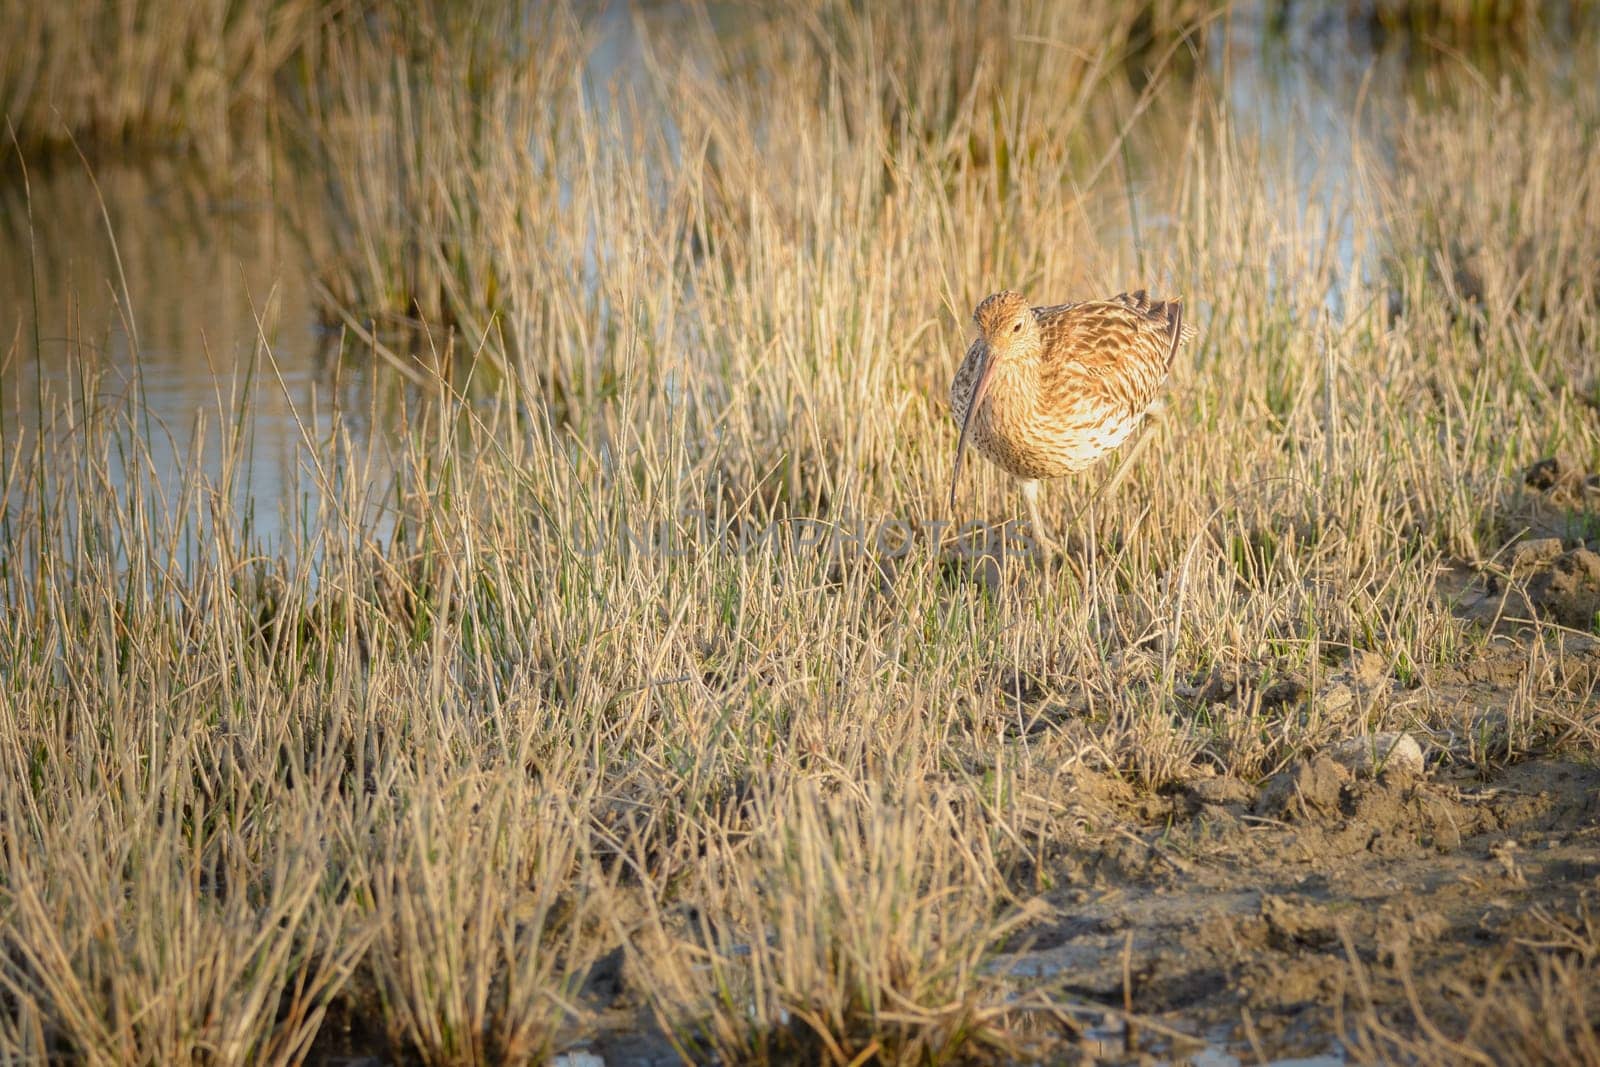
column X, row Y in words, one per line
column 1112, row 354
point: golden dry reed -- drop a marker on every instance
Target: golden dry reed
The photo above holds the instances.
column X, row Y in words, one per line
column 107, row 73
column 465, row 738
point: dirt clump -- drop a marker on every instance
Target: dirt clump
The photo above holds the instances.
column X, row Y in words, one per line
column 1524, row 556
column 1293, row 924
column 1308, row 789
column 1568, row 590
column 1545, row 474
column 1244, row 687
column 1217, row 791
column 1403, row 926
column 1560, row 478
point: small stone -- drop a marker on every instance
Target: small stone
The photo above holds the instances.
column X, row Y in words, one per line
column 1367, row 667
column 1336, row 697
column 1390, row 751
column 1504, row 853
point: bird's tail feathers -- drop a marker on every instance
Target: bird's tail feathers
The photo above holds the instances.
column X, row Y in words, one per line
column 1167, row 312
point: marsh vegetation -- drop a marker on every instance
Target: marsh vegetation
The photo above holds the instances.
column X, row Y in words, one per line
column 425, row 754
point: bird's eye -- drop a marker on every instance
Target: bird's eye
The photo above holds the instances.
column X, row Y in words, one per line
column 1017, row 326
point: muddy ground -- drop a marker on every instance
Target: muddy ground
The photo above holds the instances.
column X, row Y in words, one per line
column 1251, row 917
column 1279, row 920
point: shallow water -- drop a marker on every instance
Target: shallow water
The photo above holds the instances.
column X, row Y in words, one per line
column 217, row 285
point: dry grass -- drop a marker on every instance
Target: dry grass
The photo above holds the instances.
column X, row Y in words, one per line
column 117, row 72
column 856, row 928
column 1462, row 20
column 460, row 735
column 402, row 100
column 471, row 970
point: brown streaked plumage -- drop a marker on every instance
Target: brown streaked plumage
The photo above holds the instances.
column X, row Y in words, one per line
column 1047, row 391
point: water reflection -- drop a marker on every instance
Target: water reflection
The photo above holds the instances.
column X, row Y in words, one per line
column 210, row 289
column 216, row 286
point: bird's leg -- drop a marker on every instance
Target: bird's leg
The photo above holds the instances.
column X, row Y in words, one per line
column 1041, row 535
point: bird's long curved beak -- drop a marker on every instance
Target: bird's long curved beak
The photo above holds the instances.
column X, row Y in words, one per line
column 979, row 391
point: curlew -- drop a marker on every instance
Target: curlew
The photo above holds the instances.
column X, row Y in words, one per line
column 1047, row 391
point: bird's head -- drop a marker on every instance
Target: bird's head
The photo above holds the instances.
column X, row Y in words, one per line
column 1007, row 324
column 1010, row 332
